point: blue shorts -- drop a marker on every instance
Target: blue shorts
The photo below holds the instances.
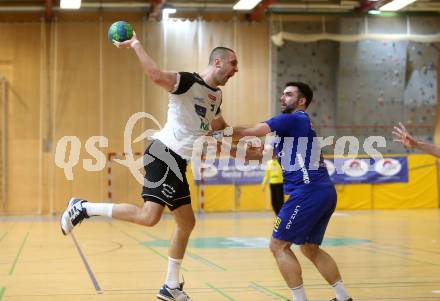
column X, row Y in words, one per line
column 304, row 216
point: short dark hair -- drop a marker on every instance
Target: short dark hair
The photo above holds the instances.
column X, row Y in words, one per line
column 219, row 51
column 303, row 89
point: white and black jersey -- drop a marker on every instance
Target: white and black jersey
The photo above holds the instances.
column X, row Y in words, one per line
column 192, row 106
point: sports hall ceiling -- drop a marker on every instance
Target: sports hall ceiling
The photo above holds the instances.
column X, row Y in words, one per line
column 221, row 6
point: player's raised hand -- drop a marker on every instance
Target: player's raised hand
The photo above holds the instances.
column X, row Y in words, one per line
column 128, row 43
column 402, row 135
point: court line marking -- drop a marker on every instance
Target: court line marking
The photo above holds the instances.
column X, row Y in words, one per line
column 149, row 248
column 205, row 261
column 267, row 292
column 371, row 285
column 2, row 292
column 1, row 238
column 374, row 249
column 220, row 291
column 409, row 248
column 11, row 271
column 86, row 264
column 191, row 254
column 10, row 229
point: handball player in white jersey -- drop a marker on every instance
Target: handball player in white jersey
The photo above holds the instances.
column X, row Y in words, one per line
column 193, row 111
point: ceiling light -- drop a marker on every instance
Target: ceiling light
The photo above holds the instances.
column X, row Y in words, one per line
column 396, row 5
column 168, row 11
column 70, row 4
column 374, row 12
column 246, row 4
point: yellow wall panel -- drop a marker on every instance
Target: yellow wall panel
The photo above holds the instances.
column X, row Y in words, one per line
column 354, row 196
column 420, row 192
column 252, row 198
column 219, row 198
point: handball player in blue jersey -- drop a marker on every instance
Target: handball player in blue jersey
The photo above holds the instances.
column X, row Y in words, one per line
column 312, row 199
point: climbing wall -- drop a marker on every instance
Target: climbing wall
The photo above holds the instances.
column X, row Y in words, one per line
column 363, row 88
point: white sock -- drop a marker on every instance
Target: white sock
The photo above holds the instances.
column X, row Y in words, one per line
column 102, row 209
column 173, row 273
column 341, row 292
column 299, row 293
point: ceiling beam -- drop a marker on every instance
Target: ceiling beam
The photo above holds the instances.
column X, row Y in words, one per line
column 259, row 10
column 155, row 9
column 48, row 10
column 367, row 5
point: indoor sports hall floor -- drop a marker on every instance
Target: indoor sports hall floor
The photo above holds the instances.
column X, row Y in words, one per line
column 383, row 255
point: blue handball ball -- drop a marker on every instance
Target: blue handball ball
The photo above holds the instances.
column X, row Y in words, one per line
column 120, row 31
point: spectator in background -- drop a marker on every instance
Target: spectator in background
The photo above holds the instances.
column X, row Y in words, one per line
column 274, row 175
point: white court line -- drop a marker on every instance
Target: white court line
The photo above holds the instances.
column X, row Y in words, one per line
column 341, row 214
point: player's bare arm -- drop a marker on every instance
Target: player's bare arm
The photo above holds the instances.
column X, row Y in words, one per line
column 258, row 130
column 164, row 79
column 219, row 124
column 402, row 135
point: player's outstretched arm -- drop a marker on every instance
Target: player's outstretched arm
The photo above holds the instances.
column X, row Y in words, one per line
column 258, row 130
column 402, row 135
column 218, row 124
column 165, row 79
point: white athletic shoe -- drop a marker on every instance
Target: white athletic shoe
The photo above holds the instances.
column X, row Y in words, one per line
column 73, row 215
column 172, row 294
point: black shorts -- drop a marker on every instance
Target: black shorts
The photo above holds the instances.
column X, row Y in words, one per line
column 165, row 180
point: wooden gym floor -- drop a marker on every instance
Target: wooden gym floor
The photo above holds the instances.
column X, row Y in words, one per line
column 383, row 255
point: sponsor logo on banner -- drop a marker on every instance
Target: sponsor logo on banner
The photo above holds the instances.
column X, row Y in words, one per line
column 368, row 170
column 232, row 173
column 388, row 167
column 355, row 167
column 330, row 167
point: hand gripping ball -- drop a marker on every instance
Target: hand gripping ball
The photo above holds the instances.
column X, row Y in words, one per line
column 120, row 31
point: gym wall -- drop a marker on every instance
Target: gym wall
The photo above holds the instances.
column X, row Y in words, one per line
column 67, row 79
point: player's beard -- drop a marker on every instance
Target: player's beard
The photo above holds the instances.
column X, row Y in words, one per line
column 289, row 108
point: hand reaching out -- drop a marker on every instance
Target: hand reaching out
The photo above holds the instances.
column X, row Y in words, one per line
column 403, row 136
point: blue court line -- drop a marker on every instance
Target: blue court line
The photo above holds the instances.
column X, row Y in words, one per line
column 11, row 271
column 86, row 264
column 221, row 292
